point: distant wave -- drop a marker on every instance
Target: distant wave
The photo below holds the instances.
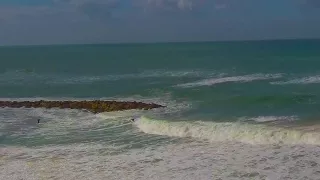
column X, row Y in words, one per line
column 273, row 99
column 304, row 80
column 145, row 74
column 29, row 77
column 245, row 78
column 237, row 131
column 177, row 73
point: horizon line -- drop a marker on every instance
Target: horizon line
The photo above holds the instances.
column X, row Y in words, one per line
column 156, row 42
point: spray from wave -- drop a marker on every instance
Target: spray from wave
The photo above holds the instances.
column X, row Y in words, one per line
column 239, row 132
column 245, row 78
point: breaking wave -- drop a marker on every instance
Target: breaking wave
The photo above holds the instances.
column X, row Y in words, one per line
column 304, row 80
column 245, row 78
column 234, row 131
column 263, row 119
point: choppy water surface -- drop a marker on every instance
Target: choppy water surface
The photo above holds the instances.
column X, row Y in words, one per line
column 236, row 110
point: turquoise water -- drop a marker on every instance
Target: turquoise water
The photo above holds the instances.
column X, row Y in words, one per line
column 97, row 71
column 255, row 92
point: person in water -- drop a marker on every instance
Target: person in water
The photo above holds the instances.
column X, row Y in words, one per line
column 132, row 119
column 38, row 121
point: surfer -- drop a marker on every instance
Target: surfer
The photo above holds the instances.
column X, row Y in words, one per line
column 132, row 119
column 38, row 121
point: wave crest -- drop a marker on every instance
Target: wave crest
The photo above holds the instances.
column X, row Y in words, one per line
column 240, row 132
column 245, row 78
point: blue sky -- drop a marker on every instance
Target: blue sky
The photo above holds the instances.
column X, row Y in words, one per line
column 116, row 21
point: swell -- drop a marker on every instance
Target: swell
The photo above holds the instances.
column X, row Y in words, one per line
column 273, row 99
column 221, row 132
column 23, row 76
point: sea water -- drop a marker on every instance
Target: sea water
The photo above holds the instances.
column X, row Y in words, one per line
column 234, row 110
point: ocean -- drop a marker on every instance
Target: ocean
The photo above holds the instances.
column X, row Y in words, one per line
column 234, row 110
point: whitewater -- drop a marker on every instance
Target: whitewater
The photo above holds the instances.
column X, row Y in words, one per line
column 108, row 146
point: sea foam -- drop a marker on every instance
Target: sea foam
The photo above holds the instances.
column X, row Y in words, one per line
column 228, row 131
column 304, row 80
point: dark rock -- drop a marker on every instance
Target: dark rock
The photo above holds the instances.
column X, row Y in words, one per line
column 95, row 106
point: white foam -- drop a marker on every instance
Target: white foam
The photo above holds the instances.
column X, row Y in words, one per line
column 270, row 118
column 54, row 122
column 221, row 132
column 66, row 125
column 178, row 73
column 165, row 99
column 188, row 161
column 305, row 80
column 245, row 78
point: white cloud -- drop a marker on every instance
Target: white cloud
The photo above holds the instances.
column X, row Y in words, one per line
column 175, row 4
column 185, row 4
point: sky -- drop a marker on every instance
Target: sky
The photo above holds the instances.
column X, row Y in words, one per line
column 29, row 22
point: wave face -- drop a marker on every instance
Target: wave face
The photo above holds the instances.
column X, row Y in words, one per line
column 222, row 132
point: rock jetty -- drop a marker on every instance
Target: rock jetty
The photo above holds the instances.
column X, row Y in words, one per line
column 95, row 106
